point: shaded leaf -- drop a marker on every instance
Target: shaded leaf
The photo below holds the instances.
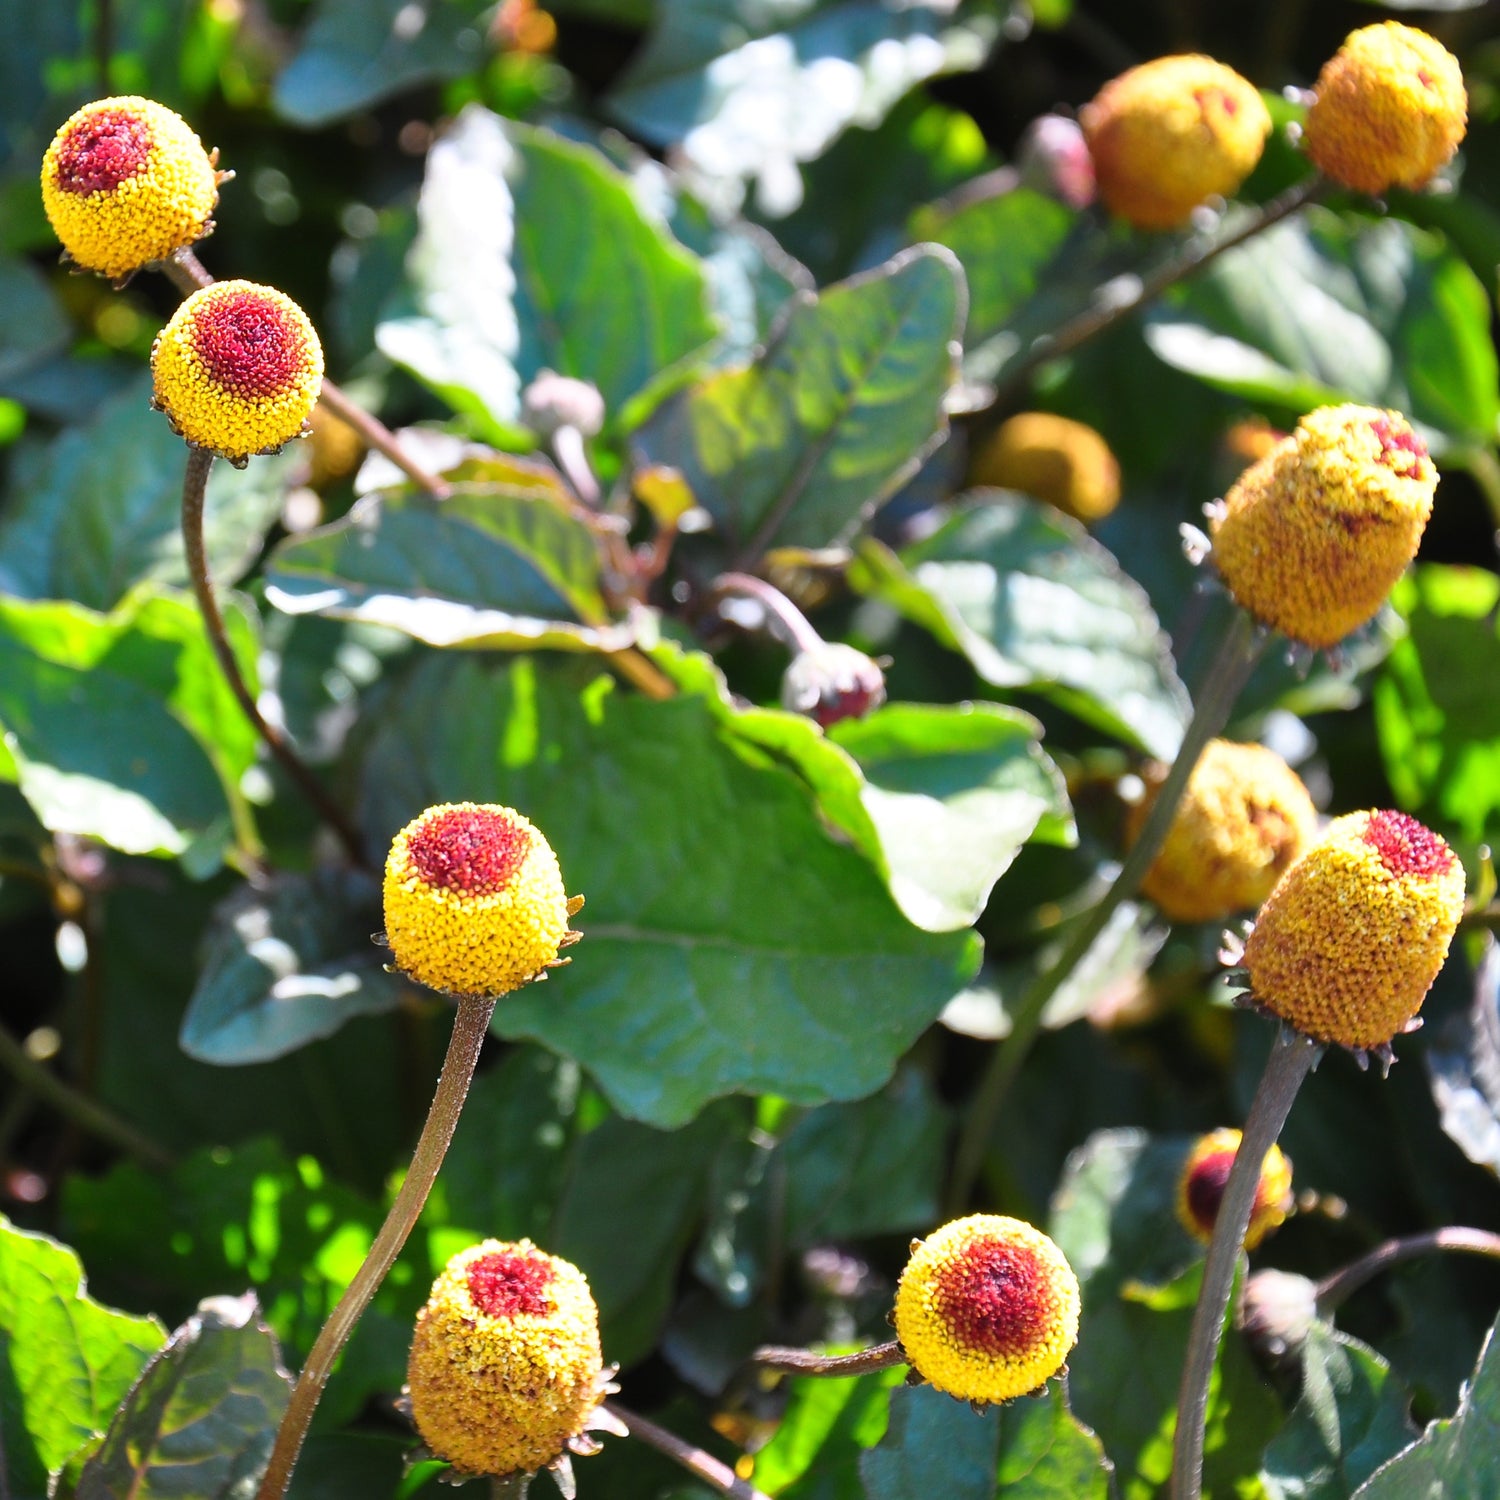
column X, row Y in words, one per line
column 33, row 327
column 1463, row 1066
column 824, row 1431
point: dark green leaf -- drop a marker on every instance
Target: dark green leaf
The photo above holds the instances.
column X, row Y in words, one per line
column 1463, row 1065
column 32, row 325
column 1034, row 602
column 715, row 958
column 825, row 1430
column 1350, row 1419
column 200, row 1421
column 533, row 253
column 65, row 1361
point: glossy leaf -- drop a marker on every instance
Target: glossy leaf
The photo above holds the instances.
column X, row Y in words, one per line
column 827, row 1426
column 1463, row 1067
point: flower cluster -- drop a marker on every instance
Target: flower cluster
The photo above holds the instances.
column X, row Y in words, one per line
column 1172, row 133
column 474, row 900
column 1065, row 463
column 987, row 1308
column 1312, row 538
column 505, row 1370
column 1245, row 816
column 1205, row 1173
column 126, row 182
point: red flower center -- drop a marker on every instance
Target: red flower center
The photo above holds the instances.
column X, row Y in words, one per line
column 1205, row 1187
column 1407, row 847
column 997, row 1298
column 469, row 849
column 506, row 1283
column 249, row 345
column 1401, row 450
column 101, row 152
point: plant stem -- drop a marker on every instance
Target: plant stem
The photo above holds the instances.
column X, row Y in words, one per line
column 697, row 1461
column 1292, row 1058
column 469, row 1029
column 1334, row 1288
column 643, row 673
column 805, row 1362
column 194, row 484
column 1227, row 673
column 1101, row 316
column 785, row 619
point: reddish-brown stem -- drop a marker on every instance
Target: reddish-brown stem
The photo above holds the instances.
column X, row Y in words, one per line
column 1334, row 1288
column 785, row 619
column 805, row 1362
column 697, row 1461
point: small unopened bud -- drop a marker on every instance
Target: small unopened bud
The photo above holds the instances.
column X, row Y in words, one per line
column 552, row 401
column 1054, row 159
column 832, row 682
column 1275, row 1315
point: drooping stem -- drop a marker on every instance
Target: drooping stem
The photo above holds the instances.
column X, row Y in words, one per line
column 469, row 1028
column 1227, row 673
column 697, row 1461
column 1292, row 1057
column 805, row 1362
column 194, row 485
column 785, row 619
column 1334, row 1288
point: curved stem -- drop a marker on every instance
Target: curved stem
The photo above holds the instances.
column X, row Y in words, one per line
column 194, row 483
column 697, row 1461
column 1231, row 666
column 643, row 673
column 786, row 620
column 1334, row 1288
column 571, row 453
column 469, row 1028
column 1292, row 1057
column 805, row 1362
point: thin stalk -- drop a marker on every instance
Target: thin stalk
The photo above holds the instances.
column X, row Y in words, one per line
column 1227, row 673
column 641, row 672
column 1292, row 1058
column 697, row 1461
column 1334, row 1288
column 1099, row 317
column 805, row 1362
column 571, row 453
column 785, row 619
column 194, row 483
column 469, row 1028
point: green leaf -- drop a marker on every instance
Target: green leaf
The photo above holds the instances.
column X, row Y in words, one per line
column 715, row 959
column 799, row 448
column 1034, row 602
column 1024, row 1450
column 750, row 91
column 201, row 1419
column 1318, row 310
column 1455, row 1457
column 506, row 561
column 355, row 53
column 823, row 1433
column 286, row 963
column 33, row 327
column 533, row 254
column 1350, row 1418
column 65, row 1361
column 1463, row 1067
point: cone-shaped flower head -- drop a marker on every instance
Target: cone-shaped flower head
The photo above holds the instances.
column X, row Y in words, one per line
column 1390, row 109
column 987, row 1308
column 505, row 1366
column 474, row 900
column 1244, row 818
column 1351, row 939
column 1172, row 133
column 125, row 182
column 237, row 369
column 1312, row 538
column 1065, row 463
column 1200, row 1188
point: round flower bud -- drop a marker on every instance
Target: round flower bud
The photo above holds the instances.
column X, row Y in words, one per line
column 831, row 683
column 126, row 182
column 1172, row 133
column 1053, row 158
column 237, row 369
column 1200, row 1188
column 987, row 1308
column 1351, row 939
column 474, row 900
column 1065, row 463
column 1390, row 109
column 1243, row 819
column 505, row 1367
column 1312, row 538
column 1276, row 1314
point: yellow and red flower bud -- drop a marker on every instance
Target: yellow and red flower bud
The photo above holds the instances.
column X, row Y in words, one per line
column 1063, row 462
column 1200, row 1188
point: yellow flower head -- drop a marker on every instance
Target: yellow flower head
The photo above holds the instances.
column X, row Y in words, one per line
column 237, row 369
column 1244, row 818
column 505, row 1367
column 1065, row 463
column 1172, row 133
column 1200, row 1188
column 1351, row 939
column 987, row 1308
column 1390, row 109
column 125, row 182
column 474, row 900
column 1312, row 538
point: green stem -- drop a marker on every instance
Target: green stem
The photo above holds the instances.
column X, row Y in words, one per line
column 805, row 1362
column 1292, row 1058
column 469, row 1028
column 1333, row 1289
column 697, row 1461
column 1231, row 666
